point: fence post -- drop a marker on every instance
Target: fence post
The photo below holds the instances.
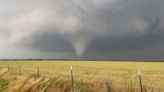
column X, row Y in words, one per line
column 72, row 88
column 38, row 71
column 140, row 80
column 8, row 67
column 20, row 71
column 108, row 85
column 0, row 88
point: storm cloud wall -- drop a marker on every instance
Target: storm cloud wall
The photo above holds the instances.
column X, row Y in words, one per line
column 107, row 29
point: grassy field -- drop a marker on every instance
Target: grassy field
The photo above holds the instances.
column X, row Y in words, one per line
column 120, row 75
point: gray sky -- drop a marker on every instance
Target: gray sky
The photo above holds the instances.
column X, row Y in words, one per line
column 86, row 29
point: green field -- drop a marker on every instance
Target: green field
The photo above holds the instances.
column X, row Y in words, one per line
column 91, row 71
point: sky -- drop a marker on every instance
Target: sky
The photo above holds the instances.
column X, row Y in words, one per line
column 82, row 29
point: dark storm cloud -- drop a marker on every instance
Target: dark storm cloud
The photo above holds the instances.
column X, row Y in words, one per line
column 50, row 42
column 108, row 44
column 116, row 27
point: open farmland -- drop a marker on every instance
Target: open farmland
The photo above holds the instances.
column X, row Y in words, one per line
column 121, row 76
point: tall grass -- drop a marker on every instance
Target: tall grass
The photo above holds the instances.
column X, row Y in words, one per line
column 87, row 77
column 30, row 83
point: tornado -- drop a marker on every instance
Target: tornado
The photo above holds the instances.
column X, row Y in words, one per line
column 79, row 48
column 80, row 42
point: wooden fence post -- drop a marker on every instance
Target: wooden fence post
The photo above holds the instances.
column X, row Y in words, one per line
column 38, row 72
column 140, row 80
column 108, row 85
column 72, row 86
column 0, row 88
column 8, row 67
column 20, row 71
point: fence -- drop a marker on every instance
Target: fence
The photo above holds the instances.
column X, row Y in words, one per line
column 108, row 83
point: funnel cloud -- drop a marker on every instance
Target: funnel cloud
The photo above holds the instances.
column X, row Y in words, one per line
column 82, row 29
